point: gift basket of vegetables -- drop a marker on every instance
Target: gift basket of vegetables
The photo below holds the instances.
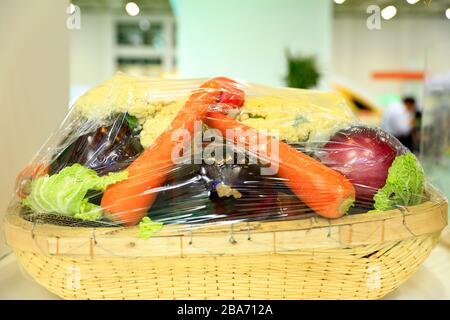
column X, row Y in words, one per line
column 203, row 189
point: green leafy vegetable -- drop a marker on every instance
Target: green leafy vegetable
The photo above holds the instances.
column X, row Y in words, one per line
column 147, row 227
column 65, row 192
column 89, row 211
column 132, row 121
column 404, row 184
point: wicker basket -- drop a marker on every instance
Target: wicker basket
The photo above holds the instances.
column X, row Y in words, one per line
column 361, row 256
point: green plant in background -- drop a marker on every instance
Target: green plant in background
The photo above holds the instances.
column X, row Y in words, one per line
column 302, row 71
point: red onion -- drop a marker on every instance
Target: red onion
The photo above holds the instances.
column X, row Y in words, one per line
column 364, row 156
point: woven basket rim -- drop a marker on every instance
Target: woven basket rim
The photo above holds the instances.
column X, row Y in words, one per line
column 313, row 232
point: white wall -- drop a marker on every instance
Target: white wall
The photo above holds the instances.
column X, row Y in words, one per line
column 34, row 82
column 94, row 51
column 399, row 45
column 247, row 39
column 91, row 50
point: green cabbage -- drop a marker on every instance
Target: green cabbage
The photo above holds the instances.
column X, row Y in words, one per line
column 404, row 184
column 65, row 192
column 147, row 227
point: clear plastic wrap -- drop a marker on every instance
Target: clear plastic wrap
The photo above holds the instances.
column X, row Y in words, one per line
column 198, row 153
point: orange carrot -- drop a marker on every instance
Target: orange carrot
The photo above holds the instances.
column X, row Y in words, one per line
column 128, row 201
column 324, row 190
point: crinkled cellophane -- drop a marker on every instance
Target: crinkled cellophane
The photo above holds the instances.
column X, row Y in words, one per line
column 208, row 247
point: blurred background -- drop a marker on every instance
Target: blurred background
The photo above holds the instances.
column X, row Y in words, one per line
column 378, row 54
column 389, row 58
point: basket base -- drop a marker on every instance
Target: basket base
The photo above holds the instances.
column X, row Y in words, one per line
column 363, row 272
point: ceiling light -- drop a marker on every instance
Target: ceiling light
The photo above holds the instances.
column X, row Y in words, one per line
column 389, row 12
column 339, row 1
column 447, row 13
column 412, row 1
column 132, row 9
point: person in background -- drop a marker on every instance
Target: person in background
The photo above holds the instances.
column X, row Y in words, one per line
column 399, row 120
column 417, row 124
column 410, row 104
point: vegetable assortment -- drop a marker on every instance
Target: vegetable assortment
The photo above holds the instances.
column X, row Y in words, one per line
column 116, row 169
column 324, row 190
column 128, row 201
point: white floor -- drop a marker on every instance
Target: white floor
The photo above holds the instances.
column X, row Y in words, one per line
column 431, row 281
column 17, row 285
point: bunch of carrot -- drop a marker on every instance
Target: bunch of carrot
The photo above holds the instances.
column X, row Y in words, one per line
column 128, row 201
column 324, row 190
